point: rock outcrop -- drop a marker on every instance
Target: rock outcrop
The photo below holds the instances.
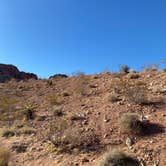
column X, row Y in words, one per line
column 7, row 72
column 58, row 76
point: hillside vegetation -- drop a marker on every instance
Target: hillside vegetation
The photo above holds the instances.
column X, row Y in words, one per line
column 104, row 119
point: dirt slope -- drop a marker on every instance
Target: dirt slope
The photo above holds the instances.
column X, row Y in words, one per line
column 82, row 107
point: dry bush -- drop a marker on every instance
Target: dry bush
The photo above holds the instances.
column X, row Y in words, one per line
column 113, row 97
column 150, row 67
column 54, row 100
column 82, row 84
column 7, row 111
column 130, row 123
column 133, row 75
column 4, row 157
column 57, row 111
column 118, row 75
column 124, row 68
column 67, row 139
column 26, row 130
column 7, row 133
column 118, row 158
column 135, row 91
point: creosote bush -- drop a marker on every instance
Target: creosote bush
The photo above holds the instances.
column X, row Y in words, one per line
column 130, row 123
column 118, row 158
column 4, row 157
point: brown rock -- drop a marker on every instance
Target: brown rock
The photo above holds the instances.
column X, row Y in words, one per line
column 8, row 72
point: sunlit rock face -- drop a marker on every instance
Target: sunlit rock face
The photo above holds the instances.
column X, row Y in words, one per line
column 7, row 72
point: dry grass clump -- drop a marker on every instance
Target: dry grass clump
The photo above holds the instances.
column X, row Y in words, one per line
column 113, row 97
column 7, row 133
column 130, row 123
column 54, row 100
column 82, row 84
column 7, row 110
column 66, row 138
column 57, row 111
column 4, row 157
column 133, row 90
column 118, row 158
column 26, row 130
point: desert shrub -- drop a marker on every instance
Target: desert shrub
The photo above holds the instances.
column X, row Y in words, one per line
column 54, row 100
column 26, row 130
column 75, row 116
column 82, row 84
column 135, row 91
column 118, row 158
column 137, row 94
column 113, row 97
column 19, row 147
column 78, row 74
column 134, row 75
column 7, row 111
column 49, row 82
column 57, row 111
column 150, row 67
column 130, row 123
column 124, row 68
column 4, row 157
column 29, row 111
column 66, row 139
column 8, row 133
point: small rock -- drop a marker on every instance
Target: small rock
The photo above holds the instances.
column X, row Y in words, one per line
column 85, row 160
column 129, row 142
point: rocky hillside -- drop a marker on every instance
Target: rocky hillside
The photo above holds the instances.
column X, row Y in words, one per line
column 7, row 72
column 85, row 120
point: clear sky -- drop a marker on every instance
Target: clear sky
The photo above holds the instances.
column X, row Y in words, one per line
column 64, row 36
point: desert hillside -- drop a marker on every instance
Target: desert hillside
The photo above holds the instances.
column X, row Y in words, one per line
column 77, row 120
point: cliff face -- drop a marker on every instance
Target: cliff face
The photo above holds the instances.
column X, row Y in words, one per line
column 7, row 72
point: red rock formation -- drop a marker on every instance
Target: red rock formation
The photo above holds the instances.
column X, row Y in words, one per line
column 8, row 72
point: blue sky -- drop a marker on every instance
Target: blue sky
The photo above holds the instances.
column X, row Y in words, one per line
column 65, row 36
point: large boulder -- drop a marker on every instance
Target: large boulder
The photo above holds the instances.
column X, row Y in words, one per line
column 7, row 72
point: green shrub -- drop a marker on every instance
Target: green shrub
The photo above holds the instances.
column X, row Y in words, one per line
column 28, row 111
